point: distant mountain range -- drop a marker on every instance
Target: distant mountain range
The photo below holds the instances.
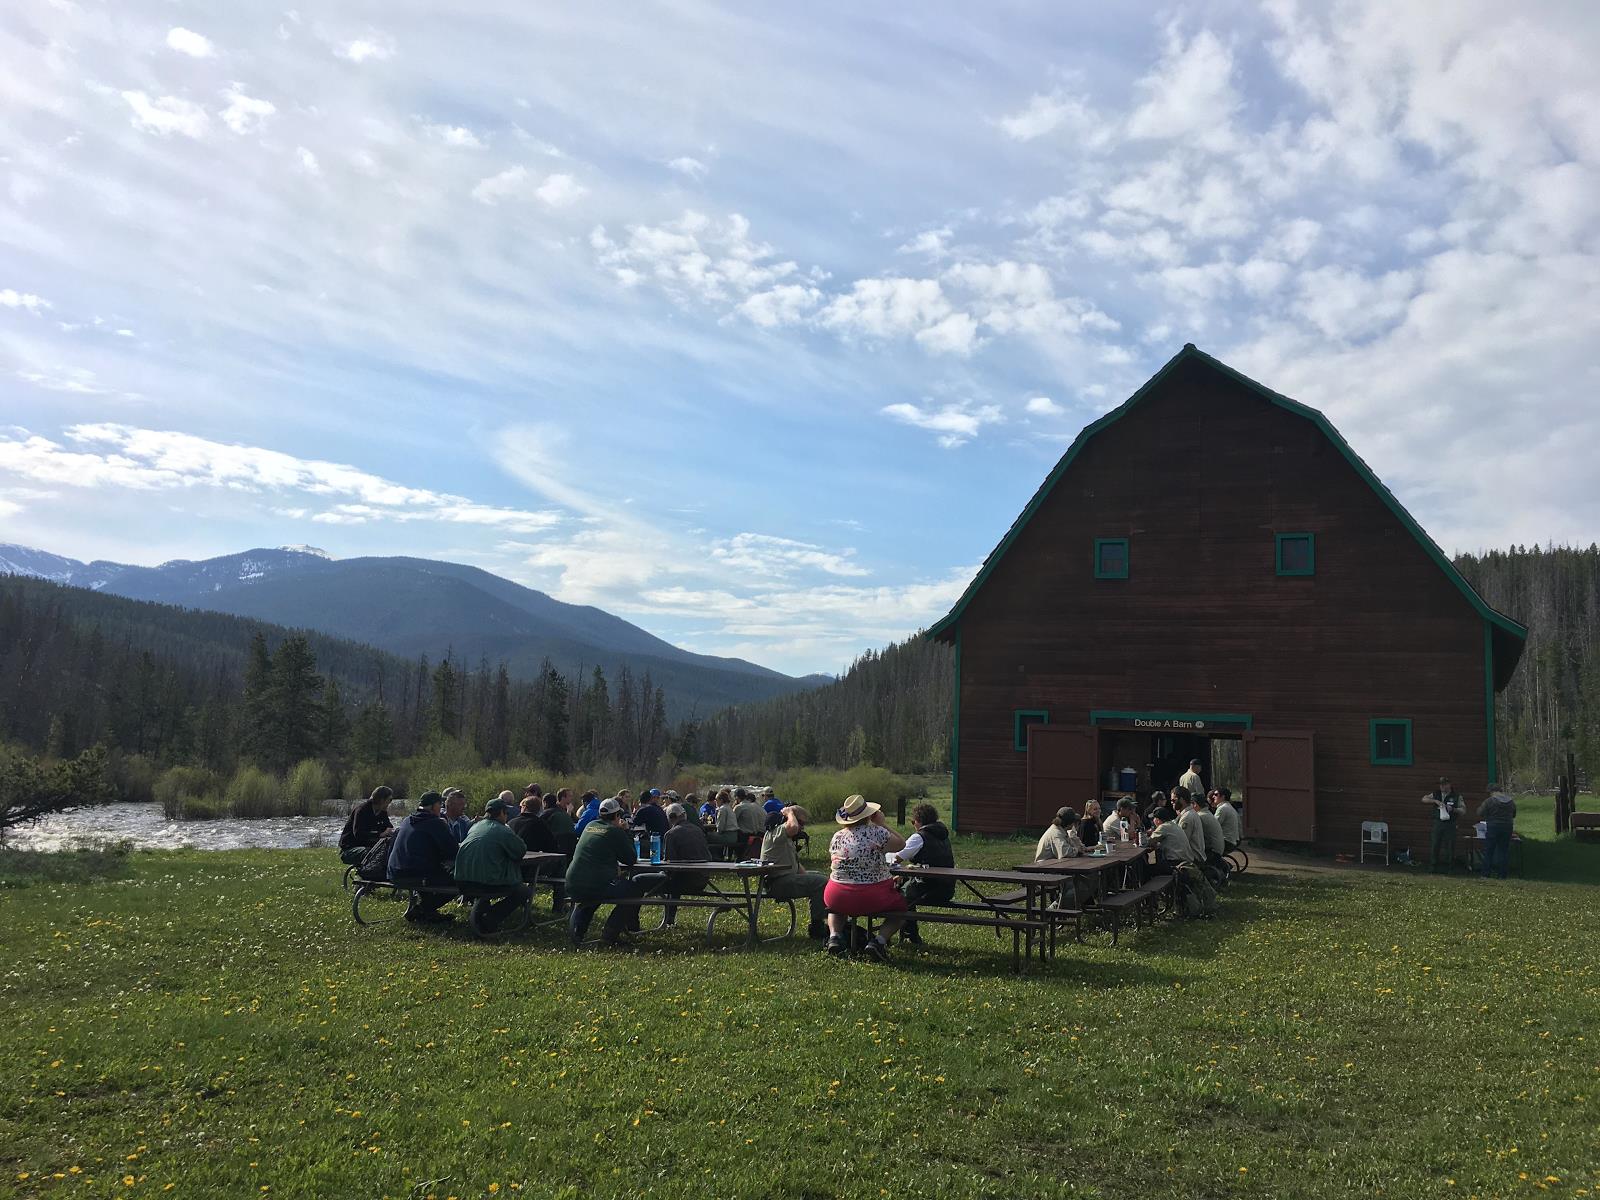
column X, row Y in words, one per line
column 413, row 606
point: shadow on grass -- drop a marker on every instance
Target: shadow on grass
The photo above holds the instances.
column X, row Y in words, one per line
column 23, row 868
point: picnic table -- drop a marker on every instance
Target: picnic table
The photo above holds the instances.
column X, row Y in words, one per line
column 1028, row 923
column 1124, row 861
column 719, row 896
column 1121, row 859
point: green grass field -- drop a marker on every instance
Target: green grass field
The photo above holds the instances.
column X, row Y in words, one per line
column 215, row 1025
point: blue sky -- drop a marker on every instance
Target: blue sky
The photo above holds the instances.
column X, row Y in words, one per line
column 759, row 326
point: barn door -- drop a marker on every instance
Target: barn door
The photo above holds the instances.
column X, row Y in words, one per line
column 1062, row 770
column 1280, row 794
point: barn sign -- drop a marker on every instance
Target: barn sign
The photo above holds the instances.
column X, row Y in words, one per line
column 1217, row 723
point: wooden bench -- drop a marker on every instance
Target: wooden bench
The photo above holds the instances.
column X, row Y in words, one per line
column 382, row 890
column 1584, row 824
column 720, row 905
column 944, row 915
column 1139, row 900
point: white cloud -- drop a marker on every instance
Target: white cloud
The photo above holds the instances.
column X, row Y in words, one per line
column 931, row 243
column 1043, row 406
column 786, row 304
column 763, row 554
column 884, row 308
column 365, row 49
column 308, row 161
column 1046, row 114
column 517, row 183
column 245, row 113
column 697, row 257
column 955, row 424
column 454, row 135
column 11, row 298
column 122, row 456
column 560, row 191
column 166, row 115
column 691, row 167
column 1190, row 93
column 507, row 185
column 187, row 41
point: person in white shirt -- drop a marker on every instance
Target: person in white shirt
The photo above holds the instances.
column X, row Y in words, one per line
column 1061, row 839
column 1228, row 817
column 1187, row 808
column 1123, row 823
column 1191, row 782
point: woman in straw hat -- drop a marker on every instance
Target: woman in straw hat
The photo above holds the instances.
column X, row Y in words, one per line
column 860, row 884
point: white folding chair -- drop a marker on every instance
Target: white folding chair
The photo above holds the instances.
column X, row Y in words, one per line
column 1375, row 837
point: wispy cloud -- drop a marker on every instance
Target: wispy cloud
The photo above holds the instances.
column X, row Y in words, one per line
column 956, row 424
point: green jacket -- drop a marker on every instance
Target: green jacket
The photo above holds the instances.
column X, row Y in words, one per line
column 601, row 850
column 491, row 855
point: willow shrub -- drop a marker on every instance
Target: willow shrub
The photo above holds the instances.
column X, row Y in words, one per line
column 308, row 788
column 822, row 791
column 253, row 793
column 188, row 792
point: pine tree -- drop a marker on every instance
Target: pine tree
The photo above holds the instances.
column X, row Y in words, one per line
column 296, row 711
column 255, row 714
column 335, row 722
column 372, row 740
column 556, row 752
column 445, row 716
column 497, row 743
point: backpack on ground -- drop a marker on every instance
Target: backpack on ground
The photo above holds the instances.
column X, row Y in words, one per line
column 374, row 866
column 1196, row 896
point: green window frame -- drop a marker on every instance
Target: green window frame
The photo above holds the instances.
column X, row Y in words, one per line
column 1101, row 571
column 1020, row 720
column 1310, row 540
column 1381, row 737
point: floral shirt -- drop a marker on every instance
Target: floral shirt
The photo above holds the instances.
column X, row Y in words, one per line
column 857, row 853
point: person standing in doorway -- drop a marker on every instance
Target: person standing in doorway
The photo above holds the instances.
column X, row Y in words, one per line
column 1498, row 813
column 1190, row 780
column 1447, row 805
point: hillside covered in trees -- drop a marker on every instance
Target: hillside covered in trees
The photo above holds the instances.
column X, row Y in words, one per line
column 180, row 687
column 80, row 668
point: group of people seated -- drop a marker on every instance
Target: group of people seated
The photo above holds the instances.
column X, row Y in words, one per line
column 1182, row 825
column 437, row 852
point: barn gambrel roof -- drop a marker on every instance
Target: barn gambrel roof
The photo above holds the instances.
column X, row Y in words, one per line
column 1508, row 635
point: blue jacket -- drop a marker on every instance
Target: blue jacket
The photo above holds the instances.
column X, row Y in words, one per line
column 773, row 805
column 460, row 827
column 586, row 814
column 423, row 845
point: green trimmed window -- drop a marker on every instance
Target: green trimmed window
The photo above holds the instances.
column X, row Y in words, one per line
column 1391, row 741
column 1021, row 719
column 1111, row 558
column 1297, row 554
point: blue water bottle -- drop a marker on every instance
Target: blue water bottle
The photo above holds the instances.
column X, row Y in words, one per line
column 655, row 847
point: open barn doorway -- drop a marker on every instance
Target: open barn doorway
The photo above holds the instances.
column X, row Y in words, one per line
column 1140, row 753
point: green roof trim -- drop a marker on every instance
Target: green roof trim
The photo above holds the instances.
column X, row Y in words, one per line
column 943, row 629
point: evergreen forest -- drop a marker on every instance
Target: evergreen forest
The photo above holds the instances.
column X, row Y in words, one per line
column 167, row 687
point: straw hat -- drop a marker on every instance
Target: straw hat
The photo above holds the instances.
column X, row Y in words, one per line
column 855, row 809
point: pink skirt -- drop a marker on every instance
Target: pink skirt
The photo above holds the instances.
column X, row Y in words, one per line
column 863, row 899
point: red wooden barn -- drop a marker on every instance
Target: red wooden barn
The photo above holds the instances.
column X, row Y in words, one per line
column 1212, row 561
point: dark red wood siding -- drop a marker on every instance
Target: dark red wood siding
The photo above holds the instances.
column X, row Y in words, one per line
column 1199, row 476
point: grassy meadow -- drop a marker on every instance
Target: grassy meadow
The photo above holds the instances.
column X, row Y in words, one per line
column 214, row 1024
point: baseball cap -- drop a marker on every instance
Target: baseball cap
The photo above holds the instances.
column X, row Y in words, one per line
column 429, row 799
column 610, row 807
column 675, row 812
column 499, row 806
column 653, row 794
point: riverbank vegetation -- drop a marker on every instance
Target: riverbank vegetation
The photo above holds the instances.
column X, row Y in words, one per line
column 215, row 1024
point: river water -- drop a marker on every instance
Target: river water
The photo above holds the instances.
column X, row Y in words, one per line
column 147, row 829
